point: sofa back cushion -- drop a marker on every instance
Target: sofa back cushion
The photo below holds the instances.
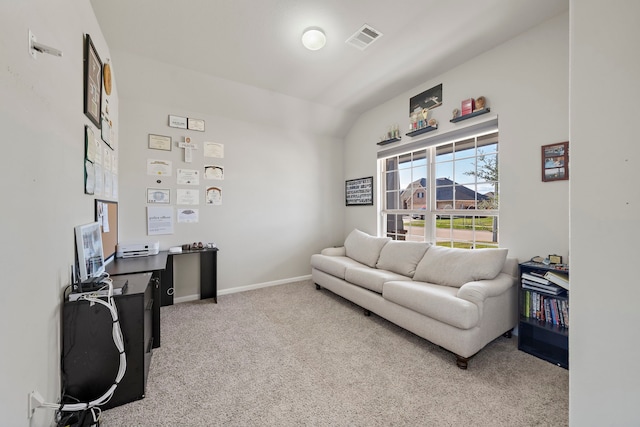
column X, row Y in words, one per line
column 363, row 247
column 401, row 257
column 455, row 267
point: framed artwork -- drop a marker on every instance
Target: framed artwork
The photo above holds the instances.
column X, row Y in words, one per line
column 359, row 192
column 428, row 99
column 177, row 122
column 555, row 162
column 92, row 83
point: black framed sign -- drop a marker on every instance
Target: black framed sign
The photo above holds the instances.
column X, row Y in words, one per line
column 92, row 83
column 359, row 192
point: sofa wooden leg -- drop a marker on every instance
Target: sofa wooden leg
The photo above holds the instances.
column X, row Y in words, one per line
column 367, row 312
column 462, row 362
column 318, row 286
column 508, row 334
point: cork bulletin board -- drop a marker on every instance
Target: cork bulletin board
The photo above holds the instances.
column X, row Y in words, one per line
column 107, row 215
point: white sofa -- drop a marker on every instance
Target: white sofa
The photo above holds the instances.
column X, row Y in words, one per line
column 459, row 299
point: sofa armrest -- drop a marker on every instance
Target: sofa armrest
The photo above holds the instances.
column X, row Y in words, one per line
column 480, row 290
column 335, row 251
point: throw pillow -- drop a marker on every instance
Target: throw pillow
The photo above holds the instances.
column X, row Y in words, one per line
column 401, row 257
column 455, row 267
column 363, row 247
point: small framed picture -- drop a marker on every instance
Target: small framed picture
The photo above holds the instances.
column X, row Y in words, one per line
column 92, row 83
column 159, row 142
column 178, row 122
column 195, row 124
column 555, row 259
column 359, row 191
column 555, row 162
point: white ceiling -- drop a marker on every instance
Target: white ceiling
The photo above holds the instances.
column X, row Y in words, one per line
column 257, row 42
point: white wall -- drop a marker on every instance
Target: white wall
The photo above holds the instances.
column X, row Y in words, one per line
column 282, row 190
column 604, row 380
column 525, row 82
column 41, row 179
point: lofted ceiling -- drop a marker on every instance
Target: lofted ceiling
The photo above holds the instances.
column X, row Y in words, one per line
column 257, row 42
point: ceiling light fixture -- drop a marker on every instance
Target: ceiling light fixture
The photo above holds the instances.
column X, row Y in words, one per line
column 313, row 38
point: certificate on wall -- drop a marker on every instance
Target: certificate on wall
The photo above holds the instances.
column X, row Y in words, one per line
column 159, row 220
column 158, row 167
column 213, row 149
column 158, row 196
column 160, row 142
column 187, row 196
column 188, row 176
column 214, row 172
column 188, row 215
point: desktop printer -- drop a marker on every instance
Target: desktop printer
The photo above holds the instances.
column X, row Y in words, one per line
column 130, row 250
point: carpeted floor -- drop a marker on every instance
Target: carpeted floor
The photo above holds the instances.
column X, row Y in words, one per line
column 291, row 355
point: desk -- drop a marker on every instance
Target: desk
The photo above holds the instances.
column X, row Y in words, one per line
column 161, row 267
column 155, row 264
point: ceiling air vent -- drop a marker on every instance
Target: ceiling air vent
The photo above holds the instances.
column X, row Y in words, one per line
column 364, row 37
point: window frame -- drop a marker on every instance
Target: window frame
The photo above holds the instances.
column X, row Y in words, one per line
column 432, row 213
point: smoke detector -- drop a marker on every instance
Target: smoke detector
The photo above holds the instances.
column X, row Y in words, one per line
column 364, row 37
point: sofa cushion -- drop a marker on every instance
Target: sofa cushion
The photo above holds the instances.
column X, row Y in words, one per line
column 455, row 267
column 371, row 278
column 363, row 247
column 435, row 301
column 334, row 265
column 401, row 257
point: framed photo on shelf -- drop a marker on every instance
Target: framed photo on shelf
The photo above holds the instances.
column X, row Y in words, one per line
column 359, row 192
column 555, row 162
column 92, row 82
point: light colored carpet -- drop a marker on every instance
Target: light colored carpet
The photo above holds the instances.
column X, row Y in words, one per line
column 291, row 355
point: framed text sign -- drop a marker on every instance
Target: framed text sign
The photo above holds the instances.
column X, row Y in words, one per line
column 359, row 191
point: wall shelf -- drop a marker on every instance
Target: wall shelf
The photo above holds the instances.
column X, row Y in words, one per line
column 468, row 116
column 389, row 141
column 422, row 130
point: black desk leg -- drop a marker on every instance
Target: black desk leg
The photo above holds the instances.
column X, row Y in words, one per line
column 208, row 276
column 155, row 282
column 166, row 284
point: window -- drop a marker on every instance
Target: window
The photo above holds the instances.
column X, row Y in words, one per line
column 446, row 194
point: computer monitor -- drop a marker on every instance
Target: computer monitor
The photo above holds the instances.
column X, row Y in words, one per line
column 89, row 251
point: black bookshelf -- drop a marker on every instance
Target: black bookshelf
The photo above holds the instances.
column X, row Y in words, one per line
column 543, row 331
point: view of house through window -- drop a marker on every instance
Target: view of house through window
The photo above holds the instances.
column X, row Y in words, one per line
column 446, row 194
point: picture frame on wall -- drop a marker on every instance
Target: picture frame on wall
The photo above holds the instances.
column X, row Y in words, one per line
column 555, row 162
column 92, row 83
column 359, row 192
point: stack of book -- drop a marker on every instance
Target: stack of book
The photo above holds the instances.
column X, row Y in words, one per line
column 538, row 282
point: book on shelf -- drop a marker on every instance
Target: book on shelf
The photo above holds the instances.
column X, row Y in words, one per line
column 533, row 277
column 549, row 289
column 546, row 308
column 560, row 279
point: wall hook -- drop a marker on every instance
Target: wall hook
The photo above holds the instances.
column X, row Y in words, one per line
column 35, row 47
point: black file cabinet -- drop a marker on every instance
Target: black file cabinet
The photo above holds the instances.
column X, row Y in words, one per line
column 90, row 359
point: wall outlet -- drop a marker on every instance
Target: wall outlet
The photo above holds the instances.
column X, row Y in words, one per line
column 35, row 401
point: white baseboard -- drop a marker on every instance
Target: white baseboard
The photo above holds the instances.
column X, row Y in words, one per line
column 263, row 285
column 196, row 297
